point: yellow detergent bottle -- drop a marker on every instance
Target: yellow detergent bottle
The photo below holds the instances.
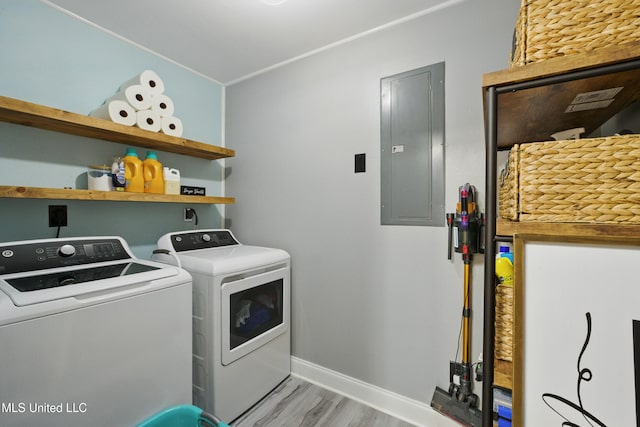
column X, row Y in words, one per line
column 153, row 175
column 504, row 267
column 134, row 181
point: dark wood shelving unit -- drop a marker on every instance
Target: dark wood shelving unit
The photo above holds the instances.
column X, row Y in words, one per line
column 528, row 104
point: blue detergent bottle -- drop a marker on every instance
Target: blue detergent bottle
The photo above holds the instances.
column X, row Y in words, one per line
column 504, row 266
column 505, row 251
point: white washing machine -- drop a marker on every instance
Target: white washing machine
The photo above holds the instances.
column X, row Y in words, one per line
column 241, row 315
column 90, row 335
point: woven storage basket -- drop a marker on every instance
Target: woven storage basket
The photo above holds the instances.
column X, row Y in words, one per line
column 594, row 180
column 504, row 323
column 508, row 207
column 550, row 28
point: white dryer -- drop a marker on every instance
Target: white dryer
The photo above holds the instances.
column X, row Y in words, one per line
column 241, row 315
column 90, row 335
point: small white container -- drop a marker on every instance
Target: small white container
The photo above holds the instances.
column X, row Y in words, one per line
column 171, row 180
column 99, row 178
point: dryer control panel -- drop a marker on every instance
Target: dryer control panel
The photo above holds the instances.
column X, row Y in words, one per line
column 35, row 255
column 202, row 239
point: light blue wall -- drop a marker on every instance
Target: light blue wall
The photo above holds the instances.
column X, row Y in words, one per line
column 54, row 59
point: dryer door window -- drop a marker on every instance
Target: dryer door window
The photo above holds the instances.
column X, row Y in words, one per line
column 254, row 311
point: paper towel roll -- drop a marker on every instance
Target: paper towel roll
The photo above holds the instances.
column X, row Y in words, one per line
column 148, row 120
column 162, row 105
column 147, row 79
column 136, row 95
column 171, row 126
column 116, row 111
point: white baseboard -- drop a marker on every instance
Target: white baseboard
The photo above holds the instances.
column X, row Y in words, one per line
column 404, row 408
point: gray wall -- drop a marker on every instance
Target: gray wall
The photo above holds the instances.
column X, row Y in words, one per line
column 378, row 303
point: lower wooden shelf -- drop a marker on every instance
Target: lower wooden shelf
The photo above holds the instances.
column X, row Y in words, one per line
column 116, row 196
column 503, row 374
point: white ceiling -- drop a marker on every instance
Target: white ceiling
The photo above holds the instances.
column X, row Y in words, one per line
column 228, row 40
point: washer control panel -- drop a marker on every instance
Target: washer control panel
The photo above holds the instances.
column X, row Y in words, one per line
column 203, row 239
column 44, row 254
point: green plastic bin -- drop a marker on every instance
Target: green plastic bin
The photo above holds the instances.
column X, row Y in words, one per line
column 183, row 416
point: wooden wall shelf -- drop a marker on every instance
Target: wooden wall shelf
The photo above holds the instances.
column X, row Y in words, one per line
column 42, row 117
column 117, row 196
column 39, row 116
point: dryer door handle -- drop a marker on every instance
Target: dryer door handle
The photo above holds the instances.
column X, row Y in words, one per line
column 167, row 252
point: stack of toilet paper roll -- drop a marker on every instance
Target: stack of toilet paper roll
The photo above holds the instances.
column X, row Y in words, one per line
column 141, row 102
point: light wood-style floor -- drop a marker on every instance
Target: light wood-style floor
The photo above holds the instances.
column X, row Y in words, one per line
column 297, row 403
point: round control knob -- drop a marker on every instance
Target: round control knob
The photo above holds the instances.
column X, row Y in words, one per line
column 206, row 237
column 66, row 251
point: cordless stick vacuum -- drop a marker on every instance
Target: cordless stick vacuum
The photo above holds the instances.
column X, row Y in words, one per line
column 465, row 232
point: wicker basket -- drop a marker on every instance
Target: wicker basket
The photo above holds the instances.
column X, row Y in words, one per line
column 550, row 28
column 504, row 323
column 508, row 207
column 594, row 180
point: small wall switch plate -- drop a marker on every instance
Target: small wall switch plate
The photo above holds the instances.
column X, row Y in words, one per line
column 360, row 163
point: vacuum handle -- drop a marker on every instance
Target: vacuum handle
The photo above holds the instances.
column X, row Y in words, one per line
column 450, row 218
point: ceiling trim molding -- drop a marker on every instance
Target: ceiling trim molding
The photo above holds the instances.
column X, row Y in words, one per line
column 399, row 21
